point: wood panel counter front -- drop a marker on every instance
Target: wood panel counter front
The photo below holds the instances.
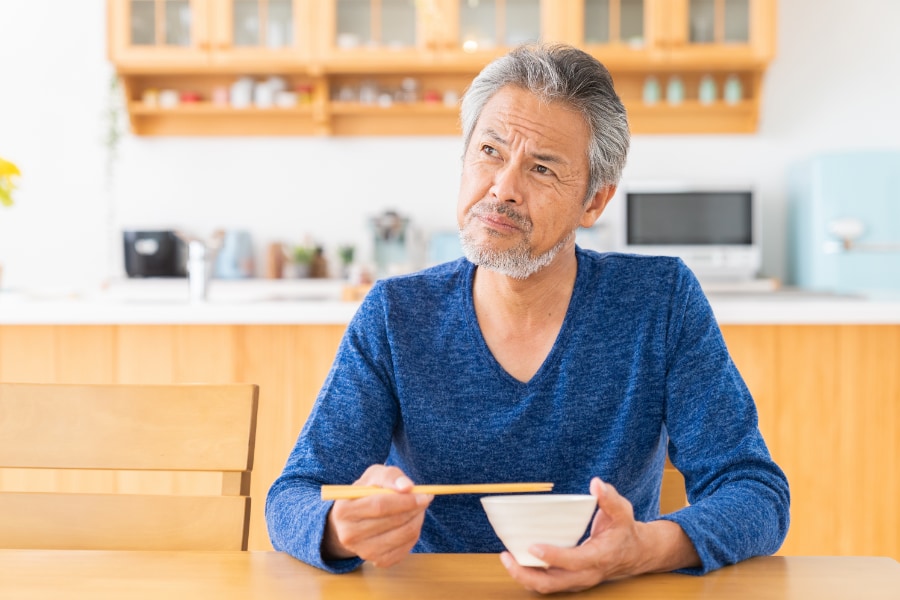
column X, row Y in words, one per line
column 828, row 398
column 76, row 575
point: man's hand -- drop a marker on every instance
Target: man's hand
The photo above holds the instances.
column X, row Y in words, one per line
column 381, row 529
column 618, row 547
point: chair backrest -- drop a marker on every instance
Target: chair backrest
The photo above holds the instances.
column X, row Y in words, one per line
column 672, row 495
column 139, row 448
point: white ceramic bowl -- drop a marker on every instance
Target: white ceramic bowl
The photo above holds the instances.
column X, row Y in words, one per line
column 522, row 520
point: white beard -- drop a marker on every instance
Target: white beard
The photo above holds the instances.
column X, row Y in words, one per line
column 517, row 262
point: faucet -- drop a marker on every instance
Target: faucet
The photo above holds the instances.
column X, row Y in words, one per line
column 199, row 267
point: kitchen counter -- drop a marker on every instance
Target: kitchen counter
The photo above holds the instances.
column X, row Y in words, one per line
column 167, row 301
column 299, row 302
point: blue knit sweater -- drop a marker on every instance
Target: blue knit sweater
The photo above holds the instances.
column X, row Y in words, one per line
column 639, row 368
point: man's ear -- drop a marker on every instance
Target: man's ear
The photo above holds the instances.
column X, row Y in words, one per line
column 596, row 205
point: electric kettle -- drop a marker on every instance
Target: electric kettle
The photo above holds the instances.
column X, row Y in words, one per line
column 235, row 258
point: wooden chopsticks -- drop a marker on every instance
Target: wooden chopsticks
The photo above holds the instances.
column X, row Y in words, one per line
column 348, row 492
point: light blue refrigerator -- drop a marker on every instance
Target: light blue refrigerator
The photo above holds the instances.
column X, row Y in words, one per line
column 844, row 212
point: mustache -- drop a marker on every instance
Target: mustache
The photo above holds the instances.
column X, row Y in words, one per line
column 501, row 208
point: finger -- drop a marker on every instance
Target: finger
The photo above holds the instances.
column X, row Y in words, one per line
column 395, row 545
column 390, row 478
column 380, row 512
column 569, row 559
column 550, row 580
column 384, row 546
column 601, row 519
column 375, row 525
column 615, row 507
column 386, row 477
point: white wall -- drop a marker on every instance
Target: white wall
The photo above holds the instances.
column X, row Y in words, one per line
column 833, row 86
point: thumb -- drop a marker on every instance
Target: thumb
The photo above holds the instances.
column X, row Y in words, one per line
column 614, row 507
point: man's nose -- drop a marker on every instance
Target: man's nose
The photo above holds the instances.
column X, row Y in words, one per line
column 508, row 184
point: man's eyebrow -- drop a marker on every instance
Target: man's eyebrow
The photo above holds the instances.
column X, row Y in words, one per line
column 543, row 157
column 492, row 133
column 549, row 158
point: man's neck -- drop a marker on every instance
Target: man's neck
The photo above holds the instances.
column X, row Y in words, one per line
column 539, row 299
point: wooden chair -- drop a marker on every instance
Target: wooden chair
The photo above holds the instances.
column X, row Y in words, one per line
column 672, row 495
column 134, row 452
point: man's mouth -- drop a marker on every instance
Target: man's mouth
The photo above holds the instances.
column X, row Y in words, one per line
column 501, row 218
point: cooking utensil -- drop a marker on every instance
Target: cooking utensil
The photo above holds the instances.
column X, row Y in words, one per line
column 346, row 492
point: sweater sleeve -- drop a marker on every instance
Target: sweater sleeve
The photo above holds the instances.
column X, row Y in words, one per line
column 739, row 498
column 348, row 430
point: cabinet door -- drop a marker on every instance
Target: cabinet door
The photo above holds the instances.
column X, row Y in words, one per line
column 375, row 34
column 263, row 34
column 159, row 33
column 476, row 31
column 452, row 34
column 723, row 33
column 621, row 33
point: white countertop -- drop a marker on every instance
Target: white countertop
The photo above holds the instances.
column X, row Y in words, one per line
column 298, row 302
column 167, row 301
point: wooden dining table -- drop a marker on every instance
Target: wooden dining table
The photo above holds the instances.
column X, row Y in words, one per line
column 162, row 575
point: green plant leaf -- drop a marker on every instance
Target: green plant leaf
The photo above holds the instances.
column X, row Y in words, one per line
column 303, row 254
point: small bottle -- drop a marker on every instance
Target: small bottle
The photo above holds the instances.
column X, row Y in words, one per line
column 707, row 92
column 318, row 267
column 733, row 91
column 451, row 98
column 263, row 95
column 220, row 95
column 275, row 261
column 651, row 90
column 675, row 90
column 151, row 97
column 304, row 93
column 169, row 98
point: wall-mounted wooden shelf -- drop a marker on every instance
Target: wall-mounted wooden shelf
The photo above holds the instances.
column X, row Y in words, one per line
column 211, row 58
column 693, row 117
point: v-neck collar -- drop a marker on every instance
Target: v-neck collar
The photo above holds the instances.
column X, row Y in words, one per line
column 481, row 345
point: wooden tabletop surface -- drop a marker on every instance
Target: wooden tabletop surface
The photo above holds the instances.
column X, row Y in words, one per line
column 99, row 575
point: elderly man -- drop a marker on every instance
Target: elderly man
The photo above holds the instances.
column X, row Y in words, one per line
column 533, row 360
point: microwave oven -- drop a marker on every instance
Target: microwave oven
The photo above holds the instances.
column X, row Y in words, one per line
column 714, row 229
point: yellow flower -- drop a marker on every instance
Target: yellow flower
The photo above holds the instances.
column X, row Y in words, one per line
column 8, row 174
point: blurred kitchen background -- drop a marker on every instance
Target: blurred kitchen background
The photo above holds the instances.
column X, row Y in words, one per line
column 832, row 88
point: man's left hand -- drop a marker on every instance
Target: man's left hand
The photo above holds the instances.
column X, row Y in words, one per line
column 618, row 547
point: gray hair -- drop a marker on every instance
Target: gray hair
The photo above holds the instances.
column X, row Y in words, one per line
column 560, row 73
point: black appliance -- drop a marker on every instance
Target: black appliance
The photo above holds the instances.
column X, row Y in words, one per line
column 154, row 254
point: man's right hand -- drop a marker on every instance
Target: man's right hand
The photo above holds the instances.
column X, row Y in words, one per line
column 381, row 529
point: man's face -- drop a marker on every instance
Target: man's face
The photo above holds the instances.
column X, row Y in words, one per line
column 524, row 181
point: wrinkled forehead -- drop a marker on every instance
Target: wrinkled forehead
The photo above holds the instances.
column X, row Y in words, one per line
column 516, row 115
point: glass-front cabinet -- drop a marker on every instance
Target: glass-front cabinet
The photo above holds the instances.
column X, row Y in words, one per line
column 681, row 66
column 718, row 22
column 257, row 31
column 402, row 65
column 196, row 33
column 614, row 22
column 159, row 32
column 491, row 25
column 455, row 33
column 667, row 30
column 727, row 32
column 372, row 31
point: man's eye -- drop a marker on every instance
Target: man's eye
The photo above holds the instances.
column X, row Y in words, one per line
column 541, row 169
column 489, row 150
